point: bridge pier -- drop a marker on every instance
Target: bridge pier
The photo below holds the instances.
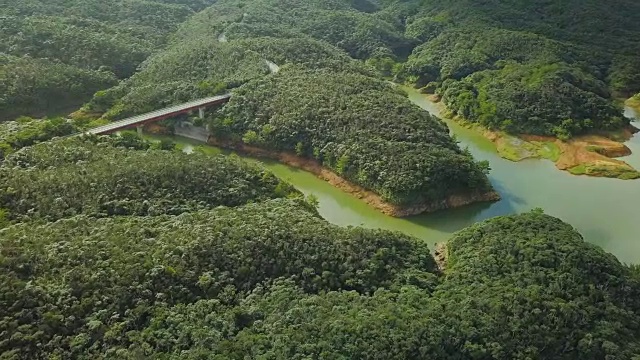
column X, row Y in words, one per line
column 168, row 112
column 139, row 129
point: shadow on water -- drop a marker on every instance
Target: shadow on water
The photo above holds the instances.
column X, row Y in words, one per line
column 450, row 220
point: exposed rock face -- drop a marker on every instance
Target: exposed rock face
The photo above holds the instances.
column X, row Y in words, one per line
column 614, row 151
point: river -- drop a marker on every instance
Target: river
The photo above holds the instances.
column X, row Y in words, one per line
column 605, row 211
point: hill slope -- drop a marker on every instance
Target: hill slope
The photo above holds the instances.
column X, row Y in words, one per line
column 272, row 280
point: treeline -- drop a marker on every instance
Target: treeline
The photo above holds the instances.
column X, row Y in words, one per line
column 55, row 54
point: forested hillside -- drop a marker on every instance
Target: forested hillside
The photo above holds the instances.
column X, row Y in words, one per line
column 55, row 54
column 119, row 248
column 378, row 140
column 540, row 67
column 273, row 280
column 534, row 67
column 122, row 176
column 320, row 103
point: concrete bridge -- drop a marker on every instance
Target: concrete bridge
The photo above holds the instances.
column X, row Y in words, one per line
column 140, row 120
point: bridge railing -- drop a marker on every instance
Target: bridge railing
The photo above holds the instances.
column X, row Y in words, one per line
column 157, row 114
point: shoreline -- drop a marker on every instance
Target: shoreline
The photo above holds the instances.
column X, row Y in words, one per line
column 368, row 196
column 590, row 155
column 633, row 103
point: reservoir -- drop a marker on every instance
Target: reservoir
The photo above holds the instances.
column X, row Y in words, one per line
column 604, row 211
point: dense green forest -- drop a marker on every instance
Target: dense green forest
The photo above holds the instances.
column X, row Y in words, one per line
column 119, row 248
column 565, row 62
column 537, row 67
column 55, row 54
column 513, row 66
column 273, row 280
column 105, row 177
column 378, row 140
column 114, row 247
column 322, row 104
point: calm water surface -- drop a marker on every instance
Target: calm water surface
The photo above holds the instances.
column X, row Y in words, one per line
column 605, row 211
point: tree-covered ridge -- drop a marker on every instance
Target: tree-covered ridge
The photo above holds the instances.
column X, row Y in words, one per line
column 510, row 99
column 122, row 176
column 486, row 59
column 204, row 67
column 184, row 72
column 350, row 25
column 25, row 131
column 520, row 287
column 506, row 65
column 538, row 290
column 229, row 43
column 67, row 50
column 378, row 139
column 82, row 287
column 272, row 280
column 39, row 86
column 554, row 58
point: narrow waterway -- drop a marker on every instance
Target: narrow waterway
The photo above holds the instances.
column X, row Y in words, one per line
column 603, row 210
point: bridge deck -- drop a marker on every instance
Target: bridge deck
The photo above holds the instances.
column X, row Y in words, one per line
column 158, row 114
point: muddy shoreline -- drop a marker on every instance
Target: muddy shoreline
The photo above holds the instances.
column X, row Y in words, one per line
column 337, row 181
column 591, row 155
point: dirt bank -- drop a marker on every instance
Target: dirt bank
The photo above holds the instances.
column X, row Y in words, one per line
column 367, row 196
column 591, row 155
column 440, row 255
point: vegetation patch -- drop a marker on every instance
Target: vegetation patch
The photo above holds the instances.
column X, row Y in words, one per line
column 634, row 102
column 55, row 54
column 549, row 150
column 216, row 283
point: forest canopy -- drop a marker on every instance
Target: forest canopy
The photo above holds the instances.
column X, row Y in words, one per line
column 54, row 55
column 549, row 68
column 104, row 177
column 275, row 281
column 567, row 63
column 378, row 139
column 117, row 248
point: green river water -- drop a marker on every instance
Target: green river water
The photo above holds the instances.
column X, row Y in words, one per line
column 603, row 210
